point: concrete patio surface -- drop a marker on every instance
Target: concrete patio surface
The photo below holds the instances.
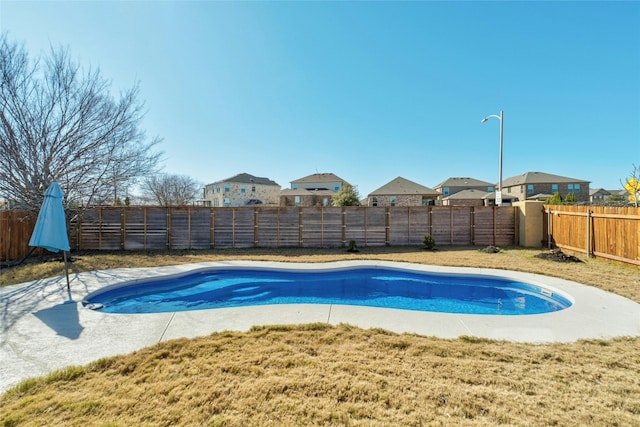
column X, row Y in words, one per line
column 44, row 328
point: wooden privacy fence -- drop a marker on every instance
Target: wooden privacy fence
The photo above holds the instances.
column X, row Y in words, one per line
column 15, row 231
column 607, row 232
column 156, row 228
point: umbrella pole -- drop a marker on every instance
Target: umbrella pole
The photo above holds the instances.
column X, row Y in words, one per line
column 66, row 270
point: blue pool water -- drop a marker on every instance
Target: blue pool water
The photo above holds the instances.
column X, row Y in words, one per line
column 364, row 286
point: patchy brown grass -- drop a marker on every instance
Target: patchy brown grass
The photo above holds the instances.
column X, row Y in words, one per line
column 322, row 375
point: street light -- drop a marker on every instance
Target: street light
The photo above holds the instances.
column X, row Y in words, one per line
column 499, row 192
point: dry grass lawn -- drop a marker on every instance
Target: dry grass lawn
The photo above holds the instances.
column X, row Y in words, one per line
column 322, row 375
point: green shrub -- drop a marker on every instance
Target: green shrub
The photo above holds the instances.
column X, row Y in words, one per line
column 556, row 199
column 428, row 242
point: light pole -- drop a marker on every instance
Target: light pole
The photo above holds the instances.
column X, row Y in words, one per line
column 499, row 192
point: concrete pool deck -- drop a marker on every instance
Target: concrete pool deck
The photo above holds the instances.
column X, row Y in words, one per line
column 41, row 330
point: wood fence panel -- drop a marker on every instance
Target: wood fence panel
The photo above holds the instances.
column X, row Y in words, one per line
column 505, row 226
column 312, row 227
column 418, row 224
column 88, row 229
column 441, row 225
column 289, row 234
column 375, row 233
column 267, row 224
column 606, row 232
column 16, row 228
column 180, row 231
column 157, row 228
column 332, row 230
column 461, row 220
column 111, row 229
column 355, row 221
column 483, row 226
column 223, row 227
column 200, row 228
column 135, row 229
column 244, row 232
column 398, row 225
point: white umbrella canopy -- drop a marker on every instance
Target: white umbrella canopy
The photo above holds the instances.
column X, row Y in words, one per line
column 50, row 231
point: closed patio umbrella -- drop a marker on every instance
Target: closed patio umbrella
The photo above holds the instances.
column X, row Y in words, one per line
column 50, row 231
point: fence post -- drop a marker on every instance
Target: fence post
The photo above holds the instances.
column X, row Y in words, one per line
column 255, row 227
column 123, row 228
column 472, row 226
column 212, row 228
column 169, row 228
column 588, row 237
column 494, row 225
column 387, row 225
column 300, row 227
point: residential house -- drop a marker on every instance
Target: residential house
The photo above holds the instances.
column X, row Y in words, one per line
column 402, row 192
column 312, row 190
column 530, row 184
column 241, row 190
column 599, row 195
column 451, row 186
column 470, row 197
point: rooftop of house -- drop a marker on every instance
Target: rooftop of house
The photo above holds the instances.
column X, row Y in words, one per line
column 469, row 194
column 245, row 178
column 402, row 187
column 538, row 178
column 318, row 177
column 463, row 182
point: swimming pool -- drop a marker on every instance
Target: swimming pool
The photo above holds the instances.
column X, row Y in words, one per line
column 361, row 286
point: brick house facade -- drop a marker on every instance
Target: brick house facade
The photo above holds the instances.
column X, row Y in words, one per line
column 242, row 190
column 531, row 184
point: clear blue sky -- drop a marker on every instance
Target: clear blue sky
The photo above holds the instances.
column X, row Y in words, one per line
column 366, row 90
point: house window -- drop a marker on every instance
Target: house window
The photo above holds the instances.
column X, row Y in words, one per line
column 576, row 188
column 427, row 202
column 243, row 189
column 325, row 202
column 509, row 190
column 374, row 201
column 217, row 188
column 336, row 187
column 530, row 189
column 296, row 200
column 216, row 203
column 253, row 188
column 392, row 200
column 570, row 188
column 294, row 186
column 227, row 202
column 227, row 188
column 554, row 188
column 490, row 189
column 445, row 191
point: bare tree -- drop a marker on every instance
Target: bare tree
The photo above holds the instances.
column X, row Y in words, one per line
column 58, row 122
column 170, row 190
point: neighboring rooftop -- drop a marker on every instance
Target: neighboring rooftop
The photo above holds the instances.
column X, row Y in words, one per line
column 538, row 178
column 401, row 186
column 470, row 194
column 318, row 177
column 463, row 182
column 246, row 178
